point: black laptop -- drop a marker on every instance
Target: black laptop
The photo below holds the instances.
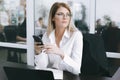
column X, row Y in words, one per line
column 13, row 73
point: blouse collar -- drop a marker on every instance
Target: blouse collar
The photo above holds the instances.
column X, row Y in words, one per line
column 52, row 35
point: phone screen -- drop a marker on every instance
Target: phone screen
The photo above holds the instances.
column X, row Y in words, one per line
column 38, row 40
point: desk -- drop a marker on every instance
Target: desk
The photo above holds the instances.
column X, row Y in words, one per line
column 66, row 75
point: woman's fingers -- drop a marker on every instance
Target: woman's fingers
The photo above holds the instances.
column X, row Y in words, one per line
column 38, row 49
column 49, row 46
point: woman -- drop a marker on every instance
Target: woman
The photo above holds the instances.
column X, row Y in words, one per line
column 63, row 43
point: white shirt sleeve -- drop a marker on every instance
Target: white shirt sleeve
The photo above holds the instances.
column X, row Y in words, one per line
column 73, row 63
column 41, row 60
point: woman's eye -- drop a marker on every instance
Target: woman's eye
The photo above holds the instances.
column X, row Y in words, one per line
column 60, row 14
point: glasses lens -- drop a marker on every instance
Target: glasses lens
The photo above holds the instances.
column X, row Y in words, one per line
column 64, row 15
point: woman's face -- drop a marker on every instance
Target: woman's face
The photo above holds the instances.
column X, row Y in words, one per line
column 62, row 17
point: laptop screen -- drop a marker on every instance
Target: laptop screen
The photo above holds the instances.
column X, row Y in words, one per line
column 13, row 73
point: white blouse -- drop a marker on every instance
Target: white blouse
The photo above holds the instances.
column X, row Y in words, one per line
column 71, row 45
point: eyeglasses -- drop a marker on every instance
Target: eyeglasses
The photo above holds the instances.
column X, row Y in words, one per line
column 68, row 15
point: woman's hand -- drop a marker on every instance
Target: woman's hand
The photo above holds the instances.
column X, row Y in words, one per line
column 38, row 48
column 52, row 48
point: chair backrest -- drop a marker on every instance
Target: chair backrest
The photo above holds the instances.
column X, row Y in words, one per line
column 10, row 33
column 94, row 60
column 111, row 37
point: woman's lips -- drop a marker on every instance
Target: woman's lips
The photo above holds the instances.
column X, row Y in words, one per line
column 64, row 21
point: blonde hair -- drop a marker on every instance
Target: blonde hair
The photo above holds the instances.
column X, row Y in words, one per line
column 53, row 10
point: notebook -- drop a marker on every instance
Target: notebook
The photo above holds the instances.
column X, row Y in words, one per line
column 13, row 73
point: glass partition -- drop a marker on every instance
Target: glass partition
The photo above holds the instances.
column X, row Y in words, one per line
column 13, row 21
column 108, row 23
column 80, row 14
column 13, row 30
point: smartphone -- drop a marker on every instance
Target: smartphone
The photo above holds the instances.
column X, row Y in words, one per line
column 38, row 40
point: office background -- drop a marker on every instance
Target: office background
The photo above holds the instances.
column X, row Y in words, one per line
column 95, row 9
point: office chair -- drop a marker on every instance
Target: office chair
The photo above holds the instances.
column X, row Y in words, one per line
column 10, row 33
column 111, row 37
column 94, row 60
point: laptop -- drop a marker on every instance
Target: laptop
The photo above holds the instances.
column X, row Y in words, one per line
column 13, row 73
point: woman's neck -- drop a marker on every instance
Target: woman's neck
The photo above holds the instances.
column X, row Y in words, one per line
column 58, row 35
column 59, row 32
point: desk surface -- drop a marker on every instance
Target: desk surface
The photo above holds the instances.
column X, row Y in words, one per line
column 66, row 75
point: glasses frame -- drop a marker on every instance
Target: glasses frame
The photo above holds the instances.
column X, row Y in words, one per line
column 67, row 15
